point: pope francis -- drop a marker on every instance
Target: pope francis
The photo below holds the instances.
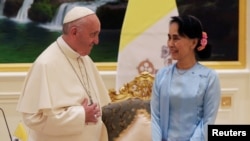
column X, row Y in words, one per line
column 63, row 92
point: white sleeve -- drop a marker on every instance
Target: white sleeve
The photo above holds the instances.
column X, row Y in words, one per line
column 66, row 121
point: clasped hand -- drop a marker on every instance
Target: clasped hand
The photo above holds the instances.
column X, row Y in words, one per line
column 92, row 112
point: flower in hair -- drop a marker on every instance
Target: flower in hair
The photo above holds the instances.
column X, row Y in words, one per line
column 204, row 39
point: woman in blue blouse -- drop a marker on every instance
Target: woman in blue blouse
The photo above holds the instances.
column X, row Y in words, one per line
column 186, row 94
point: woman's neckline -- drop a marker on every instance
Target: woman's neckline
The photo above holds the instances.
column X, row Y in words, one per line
column 187, row 67
column 184, row 71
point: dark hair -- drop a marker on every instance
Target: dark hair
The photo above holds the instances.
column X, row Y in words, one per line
column 191, row 27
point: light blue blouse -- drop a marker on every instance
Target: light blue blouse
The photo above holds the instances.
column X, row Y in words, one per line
column 183, row 104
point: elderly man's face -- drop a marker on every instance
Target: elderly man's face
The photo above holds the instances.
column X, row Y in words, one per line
column 88, row 35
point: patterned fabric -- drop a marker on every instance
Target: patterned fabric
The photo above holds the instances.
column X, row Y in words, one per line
column 117, row 116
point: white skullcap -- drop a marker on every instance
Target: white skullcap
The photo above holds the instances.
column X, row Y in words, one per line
column 76, row 13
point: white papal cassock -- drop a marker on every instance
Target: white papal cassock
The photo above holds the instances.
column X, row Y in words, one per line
column 51, row 98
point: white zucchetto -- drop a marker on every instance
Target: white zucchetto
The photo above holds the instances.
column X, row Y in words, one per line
column 76, row 13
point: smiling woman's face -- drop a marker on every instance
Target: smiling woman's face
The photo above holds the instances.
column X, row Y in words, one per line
column 181, row 47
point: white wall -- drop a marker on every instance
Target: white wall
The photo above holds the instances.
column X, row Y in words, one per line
column 10, row 87
column 235, row 87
